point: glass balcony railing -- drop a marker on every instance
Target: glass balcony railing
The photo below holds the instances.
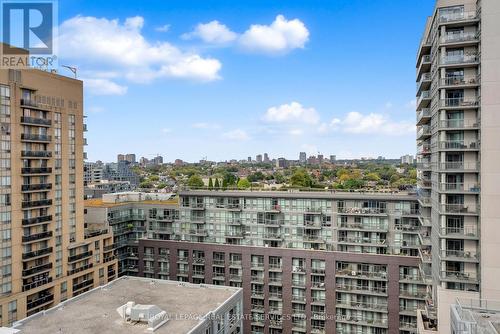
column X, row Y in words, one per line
column 459, row 80
column 459, row 232
column 459, row 37
column 459, row 124
column 458, row 145
column 457, row 16
column 460, row 102
column 460, row 187
column 459, row 165
column 459, row 254
column 459, row 59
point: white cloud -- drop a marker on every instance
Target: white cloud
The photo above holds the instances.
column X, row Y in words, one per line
column 163, row 28
column 94, row 109
column 204, row 125
column 166, row 130
column 293, row 112
column 103, row 87
column 296, row 132
column 237, row 135
column 212, row 32
column 412, row 104
column 108, row 46
column 373, row 123
column 280, row 37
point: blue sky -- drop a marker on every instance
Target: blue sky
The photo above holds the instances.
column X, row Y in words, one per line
column 192, row 79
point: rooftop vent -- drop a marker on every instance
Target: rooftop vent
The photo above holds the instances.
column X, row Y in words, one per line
column 150, row 314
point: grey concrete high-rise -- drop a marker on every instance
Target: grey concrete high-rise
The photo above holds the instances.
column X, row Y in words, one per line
column 458, row 139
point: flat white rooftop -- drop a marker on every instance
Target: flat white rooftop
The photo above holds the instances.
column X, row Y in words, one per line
column 95, row 311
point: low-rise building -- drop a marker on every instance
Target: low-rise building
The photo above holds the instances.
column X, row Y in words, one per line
column 131, row 305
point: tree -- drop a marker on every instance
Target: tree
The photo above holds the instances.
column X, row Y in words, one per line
column 353, row 184
column 146, row 184
column 161, row 185
column 195, row 181
column 372, row 177
column 341, row 172
column 216, row 185
column 230, row 179
column 210, row 184
column 244, row 184
column 412, row 174
column 154, row 178
column 301, row 178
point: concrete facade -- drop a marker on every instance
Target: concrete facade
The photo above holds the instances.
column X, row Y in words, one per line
column 458, row 105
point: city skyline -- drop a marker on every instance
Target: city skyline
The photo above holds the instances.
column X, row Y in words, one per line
column 225, row 63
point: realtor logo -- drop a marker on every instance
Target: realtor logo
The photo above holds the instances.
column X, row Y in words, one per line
column 31, row 26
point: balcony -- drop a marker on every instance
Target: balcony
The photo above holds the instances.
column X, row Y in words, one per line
column 35, row 137
column 36, row 220
column 460, row 60
column 446, row 18
column 77, row 257
column 352, row 304
column 37, row 253
column 35, row 121
column 36, row 170
column 37, row 236
column 459, row 81
column 34, row 204
column 362, row 240
column 423, row 132
column 458, row 209
column 460, row 102
column 459, row 166
column 40, row 301
column 459, row 124
column 459, row 255
column 423, row 116
column 424, row 82
column 362, row 211
column 362, row 289
column 37, row 283
column 460, row 233
column 424, row 99
column 36, row 187
column 459, row 187
column 37, row 269
column 461, row 37
column 80, row 269
column 360, row 226
column 83, row 284
column 458, row 145
column 424, row 149
column 36, row 154
column 424, row 64
column 459, row 276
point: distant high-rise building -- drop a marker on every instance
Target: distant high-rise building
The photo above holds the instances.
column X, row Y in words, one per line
column 120, row 157
column 281, row 163
column 407, row 159
column 302, row 157
column 178, row 162
column 130, row 158
column 333, row 158
column 266, row 158
column 143, row 161
column 158, row 160
column 120, row 171
column 258, row 158
column 320, row 158
column 249, row 159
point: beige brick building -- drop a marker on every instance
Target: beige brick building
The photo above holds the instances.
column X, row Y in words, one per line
column 47, row 254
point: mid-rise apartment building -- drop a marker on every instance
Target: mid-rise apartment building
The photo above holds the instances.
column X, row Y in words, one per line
column 344, row 262
column 47, row 254
column 458, row 80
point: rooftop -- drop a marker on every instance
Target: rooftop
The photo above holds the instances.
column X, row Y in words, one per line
column 477, row 316
column 123, row 198
column 297, row 193
column 95, row 311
